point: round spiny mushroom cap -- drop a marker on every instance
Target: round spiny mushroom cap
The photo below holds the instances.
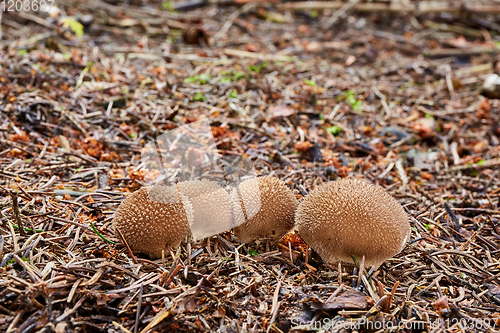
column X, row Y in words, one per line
column 352, row 217
column 263, row 207
column 152, row 218
column 210, row 207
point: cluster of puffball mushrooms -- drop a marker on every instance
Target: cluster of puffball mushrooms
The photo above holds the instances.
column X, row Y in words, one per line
column 338, row 219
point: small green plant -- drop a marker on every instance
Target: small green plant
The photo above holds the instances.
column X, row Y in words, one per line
column 73, row 25
column 334, row 130
column 233, row 94
column 167, row 5
column 238, row 75
column 352, row 101
column 257, row 68
column 253, row 252
column 201, row 79
column 199, row 97
column 481, row 162
column 310, row 83
column 22, row 52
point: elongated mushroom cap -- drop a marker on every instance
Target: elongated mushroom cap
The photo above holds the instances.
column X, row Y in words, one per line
column 352, row 217
column 152, row 218
column 263, row 207
column 209, row 207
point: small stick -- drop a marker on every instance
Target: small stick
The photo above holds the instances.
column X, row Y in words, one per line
column 171, row 276
column 138, row 314
column 361, row 269
column 387, row 306
column 126, row 245
column 17, row 216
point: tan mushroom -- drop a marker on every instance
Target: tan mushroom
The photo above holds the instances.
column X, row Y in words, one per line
column 209, row 207
column 351, row 217
column 152, row 218
column 263, row 207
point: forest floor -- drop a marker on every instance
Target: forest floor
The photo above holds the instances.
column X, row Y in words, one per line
column 310, row 95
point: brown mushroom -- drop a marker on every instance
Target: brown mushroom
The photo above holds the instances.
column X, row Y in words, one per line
column 351, row 217
column 262, row 207
column 152, row 218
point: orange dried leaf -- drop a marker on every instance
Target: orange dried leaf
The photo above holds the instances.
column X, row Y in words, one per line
column 426, row 175
column 483, row 109
column 20, row 137
column 303, row 146
column 137, row 175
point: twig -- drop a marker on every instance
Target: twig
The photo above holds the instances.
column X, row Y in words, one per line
column 261, row 56
column 392, row 7
column 126, row 245
column 275, row 306
column 172, row 275
column 15, row 208
column 138, row 314
column 339, row 13
column 453, row 217
column 495, row 162
column 231, row 19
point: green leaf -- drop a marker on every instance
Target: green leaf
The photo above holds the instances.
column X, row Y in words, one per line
column 257, row 68
column 99, row 234
column 199, row 97
column 73, row 25
column 233, row 94
column 356, row 105
column 351, row 100
column 310, row 83
column 167, row 5
column 204, row 78
column 253, row 252
column 192, row 79
column 238, row 75
column 22, row 52
column 481, row 162
column 225, row 80
column 334, row 130
column 427, row 115
column 426, row 226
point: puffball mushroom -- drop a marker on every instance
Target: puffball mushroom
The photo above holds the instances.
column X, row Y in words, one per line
column 351, row 217
column 152, row 218
column 262, row 207
column 208, row 207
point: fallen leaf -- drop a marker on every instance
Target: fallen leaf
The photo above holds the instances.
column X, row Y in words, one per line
column 351, row 299
column 303, row 146
column 281, row 111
